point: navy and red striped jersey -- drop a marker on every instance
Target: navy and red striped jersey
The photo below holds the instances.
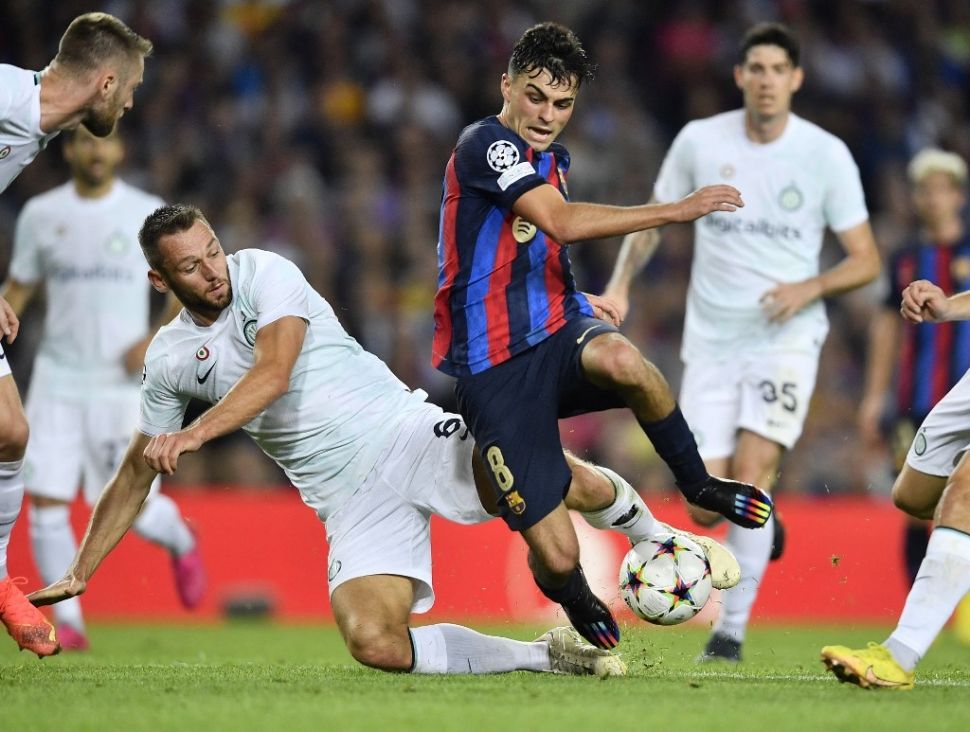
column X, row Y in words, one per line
column 933, row 356
column 503, row 284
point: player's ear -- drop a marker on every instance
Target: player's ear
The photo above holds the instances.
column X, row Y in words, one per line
column 157, row 282
column 737, row 77
column 797, row 77
column 506, row 87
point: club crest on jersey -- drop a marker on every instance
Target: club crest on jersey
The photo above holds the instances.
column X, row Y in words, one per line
column 791, row 198
column 960, row 268
column 501, row 155
column 116, row 244
column 727, row 171
column 4, row 151
column 522, row 230
column 202, row 354
column 919, row 444
column 249, row 331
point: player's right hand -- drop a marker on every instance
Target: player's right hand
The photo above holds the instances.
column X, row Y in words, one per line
column 9, row 322
column 922, row 301
column 65, row 588
column 707, row 200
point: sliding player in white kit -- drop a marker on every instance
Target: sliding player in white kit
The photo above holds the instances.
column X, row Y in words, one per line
column 80, row 242
column 755, row 320
column 371, row 457
column 91, row 82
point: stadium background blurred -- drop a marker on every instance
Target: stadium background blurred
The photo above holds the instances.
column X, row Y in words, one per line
column 320, row 130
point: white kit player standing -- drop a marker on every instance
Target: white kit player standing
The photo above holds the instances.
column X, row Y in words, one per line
column 80, row 242
column 755, row 321
column 91, row 82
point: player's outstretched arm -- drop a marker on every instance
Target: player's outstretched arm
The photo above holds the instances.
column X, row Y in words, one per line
column 637, row 249
column 570, row 222
column 275, row 352
column 113, row 515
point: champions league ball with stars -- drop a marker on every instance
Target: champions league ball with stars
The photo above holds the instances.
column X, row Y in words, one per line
column 665, row 580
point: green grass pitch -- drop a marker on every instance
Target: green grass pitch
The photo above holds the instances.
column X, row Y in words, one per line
column 262, row 676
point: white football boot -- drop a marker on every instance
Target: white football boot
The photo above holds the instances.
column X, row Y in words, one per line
column 570, row 654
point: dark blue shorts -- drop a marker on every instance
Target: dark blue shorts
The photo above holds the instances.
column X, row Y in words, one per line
column 513, row 411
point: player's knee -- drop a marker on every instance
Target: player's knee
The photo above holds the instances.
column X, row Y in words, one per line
column 13, row 438
column 379, row 646
column 617, row 360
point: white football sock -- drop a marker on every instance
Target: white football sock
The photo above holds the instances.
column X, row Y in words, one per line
column 628, row 514
column 943, row 580
column 752, row 548
column 11, row 496
column 454, row 649
column 160, row 522
column 54, row 545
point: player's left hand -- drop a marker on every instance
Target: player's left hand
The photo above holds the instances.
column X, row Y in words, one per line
column 605, row 309
column 783, row 301
column 65, row 588
column 163, row 451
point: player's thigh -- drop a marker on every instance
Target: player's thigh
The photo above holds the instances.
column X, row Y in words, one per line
column 710, row 395
column 776, row 390
column 109, row 423
column 13, row 422
column 55, row 452
column 430, row 466
column 376, row 532
column 513, row 412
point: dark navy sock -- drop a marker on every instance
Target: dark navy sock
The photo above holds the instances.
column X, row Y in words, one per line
column 569, row 592
column 674, row 443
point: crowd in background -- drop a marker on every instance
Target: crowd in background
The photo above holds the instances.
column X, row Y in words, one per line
column 320, row 130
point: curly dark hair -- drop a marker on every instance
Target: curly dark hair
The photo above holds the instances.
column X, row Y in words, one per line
column 556, row 49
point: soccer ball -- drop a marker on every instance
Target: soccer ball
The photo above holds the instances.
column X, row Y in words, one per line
column 665, row 580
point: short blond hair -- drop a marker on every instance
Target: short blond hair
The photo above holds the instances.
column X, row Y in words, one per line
column 934, row 160
column 94, row 38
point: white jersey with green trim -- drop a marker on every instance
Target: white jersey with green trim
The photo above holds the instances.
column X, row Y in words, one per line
column 343, row 406
column 793, row 188
column 20, row 135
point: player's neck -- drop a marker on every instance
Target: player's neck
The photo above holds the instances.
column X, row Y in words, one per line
column 62, row 100
column 944, row 233
column 98, row 190
column 763, row 130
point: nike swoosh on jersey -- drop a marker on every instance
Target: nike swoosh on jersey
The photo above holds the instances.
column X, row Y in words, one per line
column 586, row 333
column 201, row 379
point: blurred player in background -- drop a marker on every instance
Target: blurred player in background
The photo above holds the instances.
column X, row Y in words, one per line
column 935, row 482
column 91, row 82
column 80, row 242
column 523, row 342
column 755, row 320
column 927, row 361
column 371, row 457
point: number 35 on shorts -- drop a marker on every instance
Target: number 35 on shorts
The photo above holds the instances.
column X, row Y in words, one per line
column 504, row 480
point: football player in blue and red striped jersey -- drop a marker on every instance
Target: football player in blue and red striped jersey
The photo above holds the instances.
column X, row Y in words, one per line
column 526, row 346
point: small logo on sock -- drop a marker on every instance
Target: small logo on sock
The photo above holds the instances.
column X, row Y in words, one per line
column 629, row 516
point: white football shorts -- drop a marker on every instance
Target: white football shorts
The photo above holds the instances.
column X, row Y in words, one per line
column 77, row 442
column 4, row 363
column 765, row 392
column 945, row 433
column 384, row 528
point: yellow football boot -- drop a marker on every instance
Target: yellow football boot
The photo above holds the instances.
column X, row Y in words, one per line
column 871, row 668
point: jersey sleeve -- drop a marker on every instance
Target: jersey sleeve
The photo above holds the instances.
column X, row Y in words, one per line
column 676, row 177
column 492, row 161
column 162, row 407
column 278, row 289
column 845, row 201
column 25, row 262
